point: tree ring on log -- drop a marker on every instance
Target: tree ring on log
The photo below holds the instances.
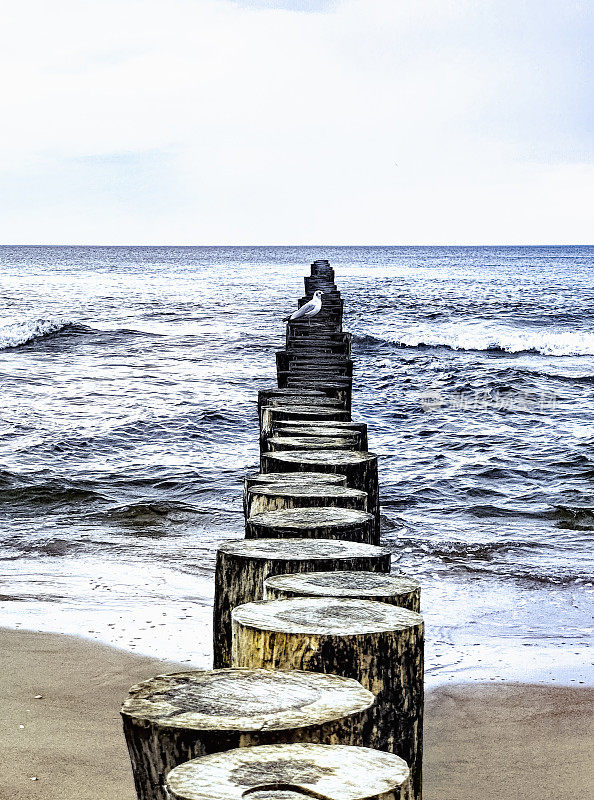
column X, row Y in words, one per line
column 244, row 699
column 323, row 522
column 292, row 772
column 341, row 442
column 277, row 496
column 394, row 589
column 289, row 478
column 302, row 549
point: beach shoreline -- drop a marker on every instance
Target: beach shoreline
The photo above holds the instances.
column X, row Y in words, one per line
column 481, row 740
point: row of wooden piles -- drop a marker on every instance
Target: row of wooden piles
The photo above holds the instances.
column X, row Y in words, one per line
column 317, row 686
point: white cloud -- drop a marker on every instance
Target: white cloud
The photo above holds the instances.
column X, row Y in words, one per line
column 378, row 121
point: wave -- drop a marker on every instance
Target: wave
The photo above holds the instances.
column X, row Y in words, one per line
column 16, row 334
column 518, row 559
column 146, row 512
column 486, row 338
column 576, row 518
column 154, row 517
column 453, row 549
column 16, row 490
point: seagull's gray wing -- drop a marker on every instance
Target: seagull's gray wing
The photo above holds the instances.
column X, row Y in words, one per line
column 303, row 310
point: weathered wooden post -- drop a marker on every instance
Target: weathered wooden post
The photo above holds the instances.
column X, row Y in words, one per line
column 286, row 397
column 312, row 364
column 276, row 496
column 397, row 590
column 287, row 428
column 293, row 381
column 340, row 387
column 313, row 523
column 323, row 435
column 299, row 414
column 379, row 645
column 292, row 772
column 289, row 479
column 360, row 469
column 313, row 358
column 342, row 442
column 173, row 718
column 333, row 344
column 243, row 565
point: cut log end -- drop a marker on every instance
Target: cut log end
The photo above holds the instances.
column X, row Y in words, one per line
column 332, row 479
column 313, row 523
column 302, row 550
column 282, row 443
column 244, row 700
column 328, row 458
column 398, row 590
column 292, row 772
column 323, row 616
column 277, row 496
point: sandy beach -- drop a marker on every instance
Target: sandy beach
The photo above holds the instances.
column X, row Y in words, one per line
column 482, row 742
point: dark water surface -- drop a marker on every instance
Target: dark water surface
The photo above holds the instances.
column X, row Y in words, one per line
column 129, row 378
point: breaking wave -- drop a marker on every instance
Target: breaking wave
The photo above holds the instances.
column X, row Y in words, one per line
column 16, row 334
column 486, row 337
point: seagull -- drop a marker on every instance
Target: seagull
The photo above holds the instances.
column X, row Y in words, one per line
column 307, row 310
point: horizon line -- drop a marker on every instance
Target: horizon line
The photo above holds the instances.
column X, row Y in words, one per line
column 332, row 246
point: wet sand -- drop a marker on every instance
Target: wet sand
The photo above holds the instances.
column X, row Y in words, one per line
column 483, row 742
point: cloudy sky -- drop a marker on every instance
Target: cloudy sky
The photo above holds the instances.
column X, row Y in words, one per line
column 286, row 122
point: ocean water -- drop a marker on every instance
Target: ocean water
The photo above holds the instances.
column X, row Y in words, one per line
column 129, row 379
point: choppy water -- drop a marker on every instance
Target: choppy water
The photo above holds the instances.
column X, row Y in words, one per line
column 129, row 378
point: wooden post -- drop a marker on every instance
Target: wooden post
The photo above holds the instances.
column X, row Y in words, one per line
column 280, row 397
column 313, row 358
column 323, row 433
column 285, row 428
column 243, row 565
column 360, row 468
column 173, row 718
column 276, row 496
column 326, row 344
column 298, row 398
column 296, row 382
column 292, row 772
column 377, row 644
column 293, row 379
column 289, row 479
column 302, row 414
column 397, row 590
column 279, row 443
column 315, row 367
column 312, row 363
column 313, row 523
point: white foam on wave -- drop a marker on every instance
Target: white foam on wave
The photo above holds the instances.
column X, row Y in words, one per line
column 477, row 336
column 14, row 334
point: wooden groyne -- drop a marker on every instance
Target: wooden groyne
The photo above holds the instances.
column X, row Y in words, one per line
column 317, row 686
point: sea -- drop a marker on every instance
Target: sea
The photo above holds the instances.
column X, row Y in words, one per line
column 129, row 379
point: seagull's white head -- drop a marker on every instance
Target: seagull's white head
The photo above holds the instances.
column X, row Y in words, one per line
column 319, row 293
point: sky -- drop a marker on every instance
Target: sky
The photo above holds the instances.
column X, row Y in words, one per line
column 365, row 122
